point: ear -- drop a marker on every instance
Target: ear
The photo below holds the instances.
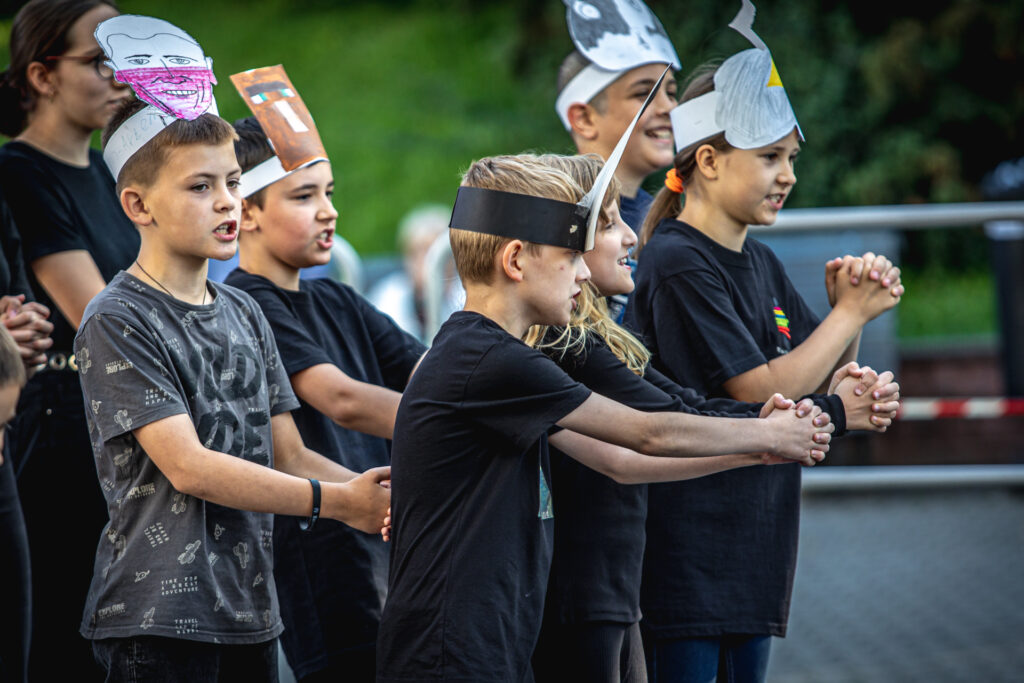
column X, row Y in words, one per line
column 134, row 206
column 250, row 217
column 40, row 79
column 707, row 158
column 511, row 260
column 583, row 119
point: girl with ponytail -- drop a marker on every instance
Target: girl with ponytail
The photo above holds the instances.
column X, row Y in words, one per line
column 56, row 93
column 720, row 315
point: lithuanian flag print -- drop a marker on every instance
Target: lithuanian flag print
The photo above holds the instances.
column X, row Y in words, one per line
column 781, row 321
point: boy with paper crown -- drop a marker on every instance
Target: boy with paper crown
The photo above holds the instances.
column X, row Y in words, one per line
column 621, row 49
column 188, row 409
column 720, row 315
column 347, row 363
column 471, row 504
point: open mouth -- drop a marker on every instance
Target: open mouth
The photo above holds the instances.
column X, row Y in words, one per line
column 661, row 133
column 325, row 240
column 624, row 262
column 180, row 93
column 776, row 200
column 226, row 231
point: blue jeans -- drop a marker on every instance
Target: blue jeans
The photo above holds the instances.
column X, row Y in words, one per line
column 169, row 660
column 725, row 659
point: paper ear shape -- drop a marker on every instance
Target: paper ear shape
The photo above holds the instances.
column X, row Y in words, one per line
column 615, row 36
column 285, row 119
column 748, row 103
column 165, row 67
column 538, row 219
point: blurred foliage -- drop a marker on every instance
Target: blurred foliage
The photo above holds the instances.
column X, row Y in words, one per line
column 900, row 102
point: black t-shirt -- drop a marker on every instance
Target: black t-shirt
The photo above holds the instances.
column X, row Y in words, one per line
column 721, row 550
column 331, row 581
column 59, row 208
column 470, row 507
column 13, row 275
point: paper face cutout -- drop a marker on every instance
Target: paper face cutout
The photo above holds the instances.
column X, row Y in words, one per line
column 542, row 220
column 165, row 66
column 618, row 34
column 282, row 114
column 748, row 103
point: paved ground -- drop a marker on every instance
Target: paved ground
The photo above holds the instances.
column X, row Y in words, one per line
column 907, row 586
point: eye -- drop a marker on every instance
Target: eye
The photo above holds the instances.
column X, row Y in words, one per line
column 180, row 60
column 139, row 61
column 330, row 194
column 233, row 183
column 200, row 187
column 770, row 156
column 302, row 197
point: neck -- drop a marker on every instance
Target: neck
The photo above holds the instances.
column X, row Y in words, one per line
column 500, row 306
column 183, row 277
column 712, row 221
column 258, row 261
column 48, row 132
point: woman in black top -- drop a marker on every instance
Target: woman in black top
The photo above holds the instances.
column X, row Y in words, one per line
column 56, row 93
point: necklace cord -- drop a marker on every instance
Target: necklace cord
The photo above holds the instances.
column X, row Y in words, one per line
column 159, row 284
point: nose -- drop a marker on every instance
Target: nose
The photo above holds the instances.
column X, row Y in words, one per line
column 629, row 238
column 787, row 176
column 582, row 272
column 226, row 199
column 327, row 211
column 663, row 101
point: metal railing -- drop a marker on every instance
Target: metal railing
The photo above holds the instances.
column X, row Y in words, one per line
column 842, row 479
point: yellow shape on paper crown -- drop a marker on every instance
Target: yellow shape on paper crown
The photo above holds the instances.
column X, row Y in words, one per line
column 774, row 79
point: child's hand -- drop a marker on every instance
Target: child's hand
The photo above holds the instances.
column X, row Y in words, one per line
column 802, row 433
column 29, row 328
column 385, row 531
column 363, row 502
column 871, row 401
column 864, row 299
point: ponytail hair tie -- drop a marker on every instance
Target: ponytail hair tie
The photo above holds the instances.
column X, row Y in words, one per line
column 673, row 182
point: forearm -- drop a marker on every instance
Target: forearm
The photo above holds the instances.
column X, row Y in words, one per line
column 805, row 369
column 629, row 467
column 349, row 403
column 312, row 465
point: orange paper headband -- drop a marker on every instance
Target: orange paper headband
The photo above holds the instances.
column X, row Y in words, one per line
column 673, row 182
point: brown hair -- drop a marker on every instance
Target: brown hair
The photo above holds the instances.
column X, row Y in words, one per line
column 144, row 166
column 39, row 30
column 667, row 203
column 252, row 148
column 474, row 252
column 571, row 67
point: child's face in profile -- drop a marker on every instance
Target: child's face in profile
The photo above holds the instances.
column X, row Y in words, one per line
column 651, row 146
column 194, row 203
column 609, row 271
column 297, row 220
column 552, row 277
column 753, row 184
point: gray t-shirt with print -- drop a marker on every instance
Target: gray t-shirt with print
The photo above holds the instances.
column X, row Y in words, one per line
column 169, row 564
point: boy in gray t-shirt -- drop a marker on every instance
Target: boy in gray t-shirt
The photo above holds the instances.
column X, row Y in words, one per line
column 187, row 404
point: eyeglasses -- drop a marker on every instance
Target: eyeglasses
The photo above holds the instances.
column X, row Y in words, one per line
column 98, row 61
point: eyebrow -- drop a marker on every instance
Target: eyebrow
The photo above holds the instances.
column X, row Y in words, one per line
column 138, row 55
column 179, row 56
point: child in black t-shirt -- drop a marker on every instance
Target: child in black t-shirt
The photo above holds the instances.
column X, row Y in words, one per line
column 592, row 608
column 720, row 315
column 471, row 503
column 348, row 364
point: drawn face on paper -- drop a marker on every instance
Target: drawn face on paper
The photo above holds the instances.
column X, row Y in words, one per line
column 164, row 65
column 282, row 114
column 618, row 34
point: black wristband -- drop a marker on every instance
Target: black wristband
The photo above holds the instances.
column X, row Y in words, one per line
column 307, row 524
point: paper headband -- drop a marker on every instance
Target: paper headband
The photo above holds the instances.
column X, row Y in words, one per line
column 748, row 103
column 165, row 67
column 538, row 219
column 287, row 122
column 615, row 36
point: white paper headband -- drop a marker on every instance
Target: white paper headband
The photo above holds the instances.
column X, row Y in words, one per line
column 267, row 173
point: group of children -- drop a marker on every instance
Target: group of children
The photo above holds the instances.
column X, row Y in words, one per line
column 524, row 543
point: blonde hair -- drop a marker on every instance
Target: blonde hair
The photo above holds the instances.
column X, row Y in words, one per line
column 591, row 314
column 12, row 369
column 474, row 252
column 668, row 204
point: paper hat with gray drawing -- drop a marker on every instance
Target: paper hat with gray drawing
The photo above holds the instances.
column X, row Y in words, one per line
column 538, row 219
column 165, row 67
column 615, row 36
column 748, row 103
column 285, row 119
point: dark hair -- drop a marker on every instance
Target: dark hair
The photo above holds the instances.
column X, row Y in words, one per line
column 39, row 30
column 252, row 148
column 667, row 203
column 571, row 67
column 144, row 165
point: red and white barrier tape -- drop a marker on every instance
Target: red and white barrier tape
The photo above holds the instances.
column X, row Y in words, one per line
column 968, row 408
